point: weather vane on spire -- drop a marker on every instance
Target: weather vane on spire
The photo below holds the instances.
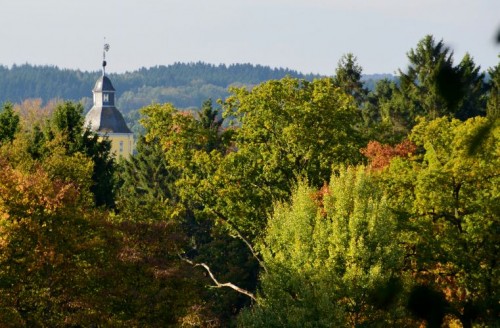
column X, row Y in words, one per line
column 106, row 49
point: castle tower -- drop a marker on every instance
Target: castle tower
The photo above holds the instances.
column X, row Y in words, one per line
column 105, row 119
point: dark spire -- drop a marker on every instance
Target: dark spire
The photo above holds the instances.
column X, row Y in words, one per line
column 106, row 49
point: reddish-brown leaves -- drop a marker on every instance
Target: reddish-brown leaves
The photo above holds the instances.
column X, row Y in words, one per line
column 380, row 155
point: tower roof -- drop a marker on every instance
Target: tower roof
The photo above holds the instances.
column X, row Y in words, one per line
column 104, row 117
column 103, row 84
column 106, row 120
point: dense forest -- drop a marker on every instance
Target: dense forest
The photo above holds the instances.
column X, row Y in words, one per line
column 183, row 85
column 292, row 202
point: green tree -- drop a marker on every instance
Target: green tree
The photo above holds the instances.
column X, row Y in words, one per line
column 431, row 85
column 66, row 125
column 492, row 111
column 286, row 128
column 192, row 147
column 384, row 114
column 332, row 258
column 211, row 122
column 9, row 123
column 449, row 200
column 296, row 127
column 68, row 120
column 147, row 190
column 281, row 129
column 493, row 104
column 473, row 102
column 348, row 78
column 99, row 150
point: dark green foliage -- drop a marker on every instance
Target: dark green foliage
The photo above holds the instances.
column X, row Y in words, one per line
column 473, row 88
column 230, row 260
column 146, row 188
column 47, row 82
column 384, row 296
column 449, row 86
column 99, row 151
column 493, row 107
column 430, row 68
column 428, row 304
column 433, row 86
column 383, row 120
column 36, row 143
column 68, row 120
column 211, row 121
column 187, row 85
column 208, row 116
column 147, row 285
column 152, row 191
column 348, row 78
column 65, row 127
column 9, row 123
column 492, row 111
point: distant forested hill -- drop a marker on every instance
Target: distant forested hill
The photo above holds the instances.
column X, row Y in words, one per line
column 186, row 85
column 46, row 82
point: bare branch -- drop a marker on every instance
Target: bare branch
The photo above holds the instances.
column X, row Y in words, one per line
column 239, row 235
column 217, row 283
column 225, row 220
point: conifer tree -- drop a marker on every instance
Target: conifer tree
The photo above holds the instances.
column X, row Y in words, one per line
column 493, row 104
column 474, row 89
column 9, row 123
column 429, row 78
column 348, row 78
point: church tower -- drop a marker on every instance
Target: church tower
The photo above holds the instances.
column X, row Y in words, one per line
column 105, row 119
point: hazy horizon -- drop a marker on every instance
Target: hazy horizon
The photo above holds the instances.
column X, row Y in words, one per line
column 305, row 36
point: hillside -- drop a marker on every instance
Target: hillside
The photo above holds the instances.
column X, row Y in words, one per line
column 184, row 85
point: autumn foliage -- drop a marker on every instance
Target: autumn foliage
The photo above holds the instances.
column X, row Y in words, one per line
column 380, row 155
column 273, row 199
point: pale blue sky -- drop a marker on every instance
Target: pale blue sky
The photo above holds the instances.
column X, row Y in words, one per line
column 305, row 35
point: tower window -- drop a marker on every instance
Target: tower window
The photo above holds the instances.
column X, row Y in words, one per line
column 105, row 97
column 121, row 146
